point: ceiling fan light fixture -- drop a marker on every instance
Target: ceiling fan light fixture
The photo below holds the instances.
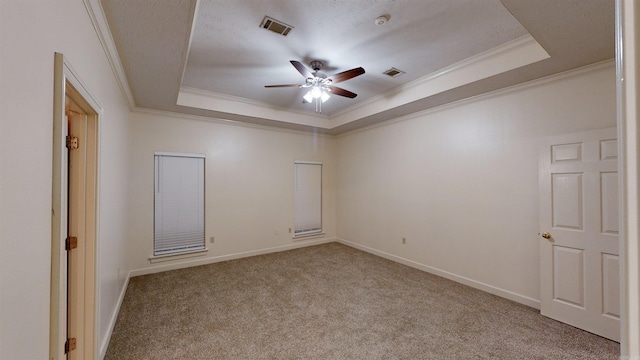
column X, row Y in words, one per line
column 316, row 92
column 320, row 85
column 308, row 97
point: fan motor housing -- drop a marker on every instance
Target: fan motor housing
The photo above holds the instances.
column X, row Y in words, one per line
column 316, row 65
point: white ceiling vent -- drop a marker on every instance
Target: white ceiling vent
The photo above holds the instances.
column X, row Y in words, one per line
column 275, row 26
column 393, row 72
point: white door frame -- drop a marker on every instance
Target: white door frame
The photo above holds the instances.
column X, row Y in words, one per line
column 67, row 83
column 628, row 81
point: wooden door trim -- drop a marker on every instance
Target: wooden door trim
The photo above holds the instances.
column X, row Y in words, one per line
column 67, row 83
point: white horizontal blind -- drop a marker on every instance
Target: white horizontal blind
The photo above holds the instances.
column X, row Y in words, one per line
column 179, row 204
column 308, row 198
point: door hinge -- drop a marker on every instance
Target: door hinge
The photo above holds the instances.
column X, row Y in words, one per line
column 69, row 345
column 72, row 142
column 71, row 243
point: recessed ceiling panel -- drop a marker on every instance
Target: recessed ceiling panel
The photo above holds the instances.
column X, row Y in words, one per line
column 231, row 54
column 212, row 58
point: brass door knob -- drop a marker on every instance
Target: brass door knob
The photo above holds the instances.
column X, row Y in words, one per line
column 546, row 235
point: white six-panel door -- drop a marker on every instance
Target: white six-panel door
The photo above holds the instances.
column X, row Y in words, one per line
column 579, row 256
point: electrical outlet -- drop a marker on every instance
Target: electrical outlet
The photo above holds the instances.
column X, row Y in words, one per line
column 212, row 239
column 404, row 240
column 289, row 230
column 276, row 232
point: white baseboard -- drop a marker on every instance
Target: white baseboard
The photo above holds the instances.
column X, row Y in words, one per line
column 112, row 320
column 525, row 300
column 215, row 259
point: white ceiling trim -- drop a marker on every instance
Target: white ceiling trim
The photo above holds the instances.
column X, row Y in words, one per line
column 202, row 99
column 217, row 120
column 605, row 65
column 511, row 55
column 194, row 11
column 600, row 66
column 101, row 26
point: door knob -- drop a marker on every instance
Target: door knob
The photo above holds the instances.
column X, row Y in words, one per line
column 546, row 235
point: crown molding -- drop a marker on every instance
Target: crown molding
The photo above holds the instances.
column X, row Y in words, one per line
column 508, row 56
column 600, row 66
column 101, row 27
column 222, row 121
column 207, row 100
column 513, row 54
column 591, row 68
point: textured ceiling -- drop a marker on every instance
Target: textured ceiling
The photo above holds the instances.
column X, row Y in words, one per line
column 231, row 54
column 217, row 49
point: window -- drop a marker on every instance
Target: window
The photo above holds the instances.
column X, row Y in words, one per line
column 179, row 203
column 308, row 198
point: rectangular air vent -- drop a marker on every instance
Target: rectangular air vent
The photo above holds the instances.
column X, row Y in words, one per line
column 393, row 72
column 275, row 26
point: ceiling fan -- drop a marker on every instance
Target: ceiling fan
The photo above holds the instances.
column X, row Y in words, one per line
column 320, row 84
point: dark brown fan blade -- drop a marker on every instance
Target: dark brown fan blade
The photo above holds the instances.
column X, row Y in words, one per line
column 301, row 69
column 341, row 92
column 279, row 86
column 346, row 75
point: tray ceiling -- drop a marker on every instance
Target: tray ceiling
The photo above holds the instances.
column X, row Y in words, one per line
column 211, row 58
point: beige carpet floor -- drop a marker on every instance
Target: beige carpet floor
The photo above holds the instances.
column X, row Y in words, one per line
column 332, row 302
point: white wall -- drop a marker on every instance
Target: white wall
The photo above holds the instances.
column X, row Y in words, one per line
column 464, row 194
column 249, row 184
column 30, row 33
column 460, row 183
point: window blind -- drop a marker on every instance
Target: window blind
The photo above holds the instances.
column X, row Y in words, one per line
column 308, row 198
column 179, row 204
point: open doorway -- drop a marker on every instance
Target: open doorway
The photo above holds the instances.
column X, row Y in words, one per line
column 73, row 333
